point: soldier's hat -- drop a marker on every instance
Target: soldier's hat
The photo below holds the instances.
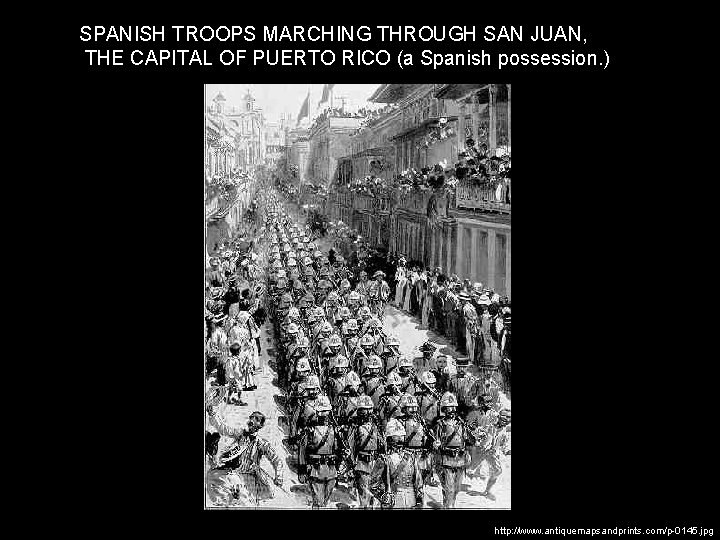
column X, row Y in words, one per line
column 484, row 300
column 462, row 361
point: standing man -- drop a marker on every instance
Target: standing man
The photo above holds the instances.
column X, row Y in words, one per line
column 396, row 479
column 464, row 385
column 452, row 437
column 237, row 473
column 366, row 444
column 470, row 317
column 320, row 447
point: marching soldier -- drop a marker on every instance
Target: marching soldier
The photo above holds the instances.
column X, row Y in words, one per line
column 464, row 385
column 428, row 398
column 372, row 383
column 301, row 372
column 452, row 437
column 354, row 303
column 346, row 402
column 320, row 446
column 396, row 479
column 389, row 404
column 337, row 368
column 490, row 428
column 391, row 354
column 366, row 443
column 406, row 370
column 305, row 411
column 363, row 352
column 419, row 436
column 349, row 335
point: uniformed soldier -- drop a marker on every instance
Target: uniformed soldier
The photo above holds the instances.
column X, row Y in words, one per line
column 373, row 384
column 406, row 370
column 363, row 351
column 391, row 354
column 305, row 411
column 419, row 435
column 396, row 479
column 338, row 367
column 366, row 443
column 301, row 372
column 349, row 335
column 389, row 404
column 320, row 450
column 428, row 398
column 354, row 303
column 342, row 318
column 491, row 431
column 452, row 436
column 464, row 385
column 346, row 402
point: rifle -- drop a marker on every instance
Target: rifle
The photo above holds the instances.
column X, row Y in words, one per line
column 432, row 392
column 338, row 429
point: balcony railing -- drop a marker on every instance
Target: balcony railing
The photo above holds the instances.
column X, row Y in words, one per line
column 477, row 198
column 414, row 201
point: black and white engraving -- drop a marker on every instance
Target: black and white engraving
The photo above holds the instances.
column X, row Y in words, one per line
column 357, row 332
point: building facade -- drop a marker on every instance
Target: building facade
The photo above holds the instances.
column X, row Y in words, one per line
column 468, row 231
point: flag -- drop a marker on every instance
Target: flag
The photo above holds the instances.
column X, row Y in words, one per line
column 304, row 109
column 326, row 92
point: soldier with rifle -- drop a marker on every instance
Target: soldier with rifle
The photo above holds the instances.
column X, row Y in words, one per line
column 396, row 479
column 320, row 447
column 365, row 443
column 452, row 437
column 419, row 435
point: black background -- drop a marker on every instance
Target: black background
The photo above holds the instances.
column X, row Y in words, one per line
column 605, row 433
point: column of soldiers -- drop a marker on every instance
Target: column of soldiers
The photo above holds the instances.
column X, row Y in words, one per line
column 360, row 413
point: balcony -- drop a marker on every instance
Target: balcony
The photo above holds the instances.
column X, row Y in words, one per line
column 475, row 198
column 414, row 201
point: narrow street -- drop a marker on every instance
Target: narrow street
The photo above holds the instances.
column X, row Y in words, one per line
column 269, row 399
